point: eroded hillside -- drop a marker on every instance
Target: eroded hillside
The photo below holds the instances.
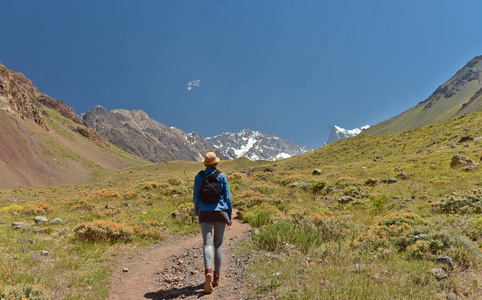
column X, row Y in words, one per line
column 46, row 145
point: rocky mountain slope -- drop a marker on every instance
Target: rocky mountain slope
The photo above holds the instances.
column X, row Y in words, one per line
column 138, row 134
column 338, row 133
column 461, row 95
column 42, row 141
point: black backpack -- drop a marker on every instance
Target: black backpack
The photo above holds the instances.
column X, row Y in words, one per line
column 210, row 188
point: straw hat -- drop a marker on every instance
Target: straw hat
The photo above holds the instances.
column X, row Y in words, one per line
column 211, row 159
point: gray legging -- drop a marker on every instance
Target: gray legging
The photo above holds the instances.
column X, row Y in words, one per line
column 207, row 232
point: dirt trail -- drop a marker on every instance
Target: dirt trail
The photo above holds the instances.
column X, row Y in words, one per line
column 174, row 270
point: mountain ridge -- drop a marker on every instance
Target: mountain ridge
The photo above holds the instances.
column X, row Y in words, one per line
column 43, row 142
column 135, row 132
column 460, row 95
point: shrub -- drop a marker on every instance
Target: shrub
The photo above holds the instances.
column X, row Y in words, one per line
column 378, row 201
column 149, row 231
column 187, row 213
column 261, row 215
column 129, row 195
column 21, row 291
column 155, row 186
column 103, row 231
column 299, row 216
column 317, row 187
column 293, row 178
column 259, row 175
column 178, row 190
column 474, row 229
column 330, row 228
column 263, row 189
column 110, row 210
column 236, row 178
column 104, row 194
column 41, row 208
column 466, row 203
column 357, row 192
column 250, row 194
column 388, row 230
column 174, row 181
column 10, row 209
column 398, row 231
column 371, row 182
column 249, row 199
column 418, row 249
column 83, row 204
column 346, row 181
column 410, row 219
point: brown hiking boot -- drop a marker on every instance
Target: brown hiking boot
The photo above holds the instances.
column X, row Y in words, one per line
column 216, row 279
column 208, row 283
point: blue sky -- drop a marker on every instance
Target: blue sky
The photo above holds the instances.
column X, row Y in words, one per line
column 289, row 68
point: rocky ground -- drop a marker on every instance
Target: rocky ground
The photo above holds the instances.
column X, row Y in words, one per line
column 174, row 269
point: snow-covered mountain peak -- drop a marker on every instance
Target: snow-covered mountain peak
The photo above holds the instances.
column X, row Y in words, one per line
column 254, row 145
column 338, row 133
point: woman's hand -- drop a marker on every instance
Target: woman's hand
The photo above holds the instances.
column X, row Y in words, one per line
column 230, row 223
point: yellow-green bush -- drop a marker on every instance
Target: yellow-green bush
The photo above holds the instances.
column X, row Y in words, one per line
column 10, row 209
column 378, row 201
column 468, row 203
column 317, row 187
column 102, row 230
column 174, row 181
column 357, row 192
column 346, row 181
column 264, row 189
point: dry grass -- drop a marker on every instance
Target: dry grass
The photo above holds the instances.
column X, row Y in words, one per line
column 306, row 231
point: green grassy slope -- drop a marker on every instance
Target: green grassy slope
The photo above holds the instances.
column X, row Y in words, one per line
column 310, row 245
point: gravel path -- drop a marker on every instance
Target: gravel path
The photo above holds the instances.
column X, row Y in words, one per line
column 174, row 270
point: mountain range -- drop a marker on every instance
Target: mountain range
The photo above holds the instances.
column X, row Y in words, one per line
column 44, row 142
column 136, row 133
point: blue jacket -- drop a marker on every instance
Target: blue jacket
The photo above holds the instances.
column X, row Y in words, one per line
column 224, row 203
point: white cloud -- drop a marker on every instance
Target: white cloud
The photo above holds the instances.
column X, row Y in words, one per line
column 193, row 83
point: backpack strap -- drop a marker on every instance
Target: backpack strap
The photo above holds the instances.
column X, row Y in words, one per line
column 215, row 174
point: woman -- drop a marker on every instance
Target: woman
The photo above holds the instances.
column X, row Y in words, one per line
column 215, row 211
